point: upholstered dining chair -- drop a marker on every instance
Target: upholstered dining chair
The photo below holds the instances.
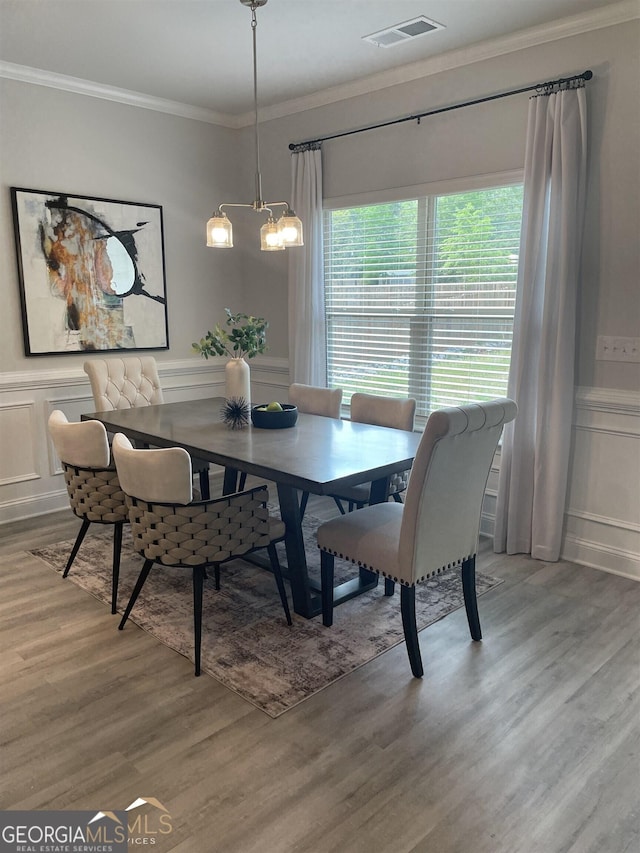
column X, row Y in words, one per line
column 315, row 400
column 92, row 483
column 395, row 412
column 169, row 528
column 436, row 528
column 128, row 383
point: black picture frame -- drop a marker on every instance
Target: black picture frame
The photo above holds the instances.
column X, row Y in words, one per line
column 91, row 273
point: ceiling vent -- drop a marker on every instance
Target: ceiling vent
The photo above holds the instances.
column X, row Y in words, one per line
column 406, row 31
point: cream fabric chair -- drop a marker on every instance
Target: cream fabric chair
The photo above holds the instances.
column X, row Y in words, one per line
column 124, row 383
column 128, row 383
column 171, row 529
column 315, row 400
column 94, row 490
column 394, row 412
column 437, row 526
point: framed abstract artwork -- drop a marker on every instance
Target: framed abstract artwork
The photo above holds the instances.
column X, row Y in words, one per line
column 91, row 273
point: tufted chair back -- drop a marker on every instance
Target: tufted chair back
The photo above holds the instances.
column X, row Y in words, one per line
column 124, row 383
column 315, row 400
column 171, row 529
column 442, row 509
column 130, row 383
column 94, row 490
column 438, row 525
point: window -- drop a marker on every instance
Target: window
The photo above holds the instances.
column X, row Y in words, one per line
column 420, row 296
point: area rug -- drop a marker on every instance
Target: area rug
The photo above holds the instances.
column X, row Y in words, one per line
column 246, row 643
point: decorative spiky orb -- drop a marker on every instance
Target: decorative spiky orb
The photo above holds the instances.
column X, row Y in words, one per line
column 235, row 412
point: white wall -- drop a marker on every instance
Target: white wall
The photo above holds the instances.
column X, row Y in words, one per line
column 54, row 140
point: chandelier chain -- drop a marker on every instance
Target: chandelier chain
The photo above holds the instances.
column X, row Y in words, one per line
column 254, row 28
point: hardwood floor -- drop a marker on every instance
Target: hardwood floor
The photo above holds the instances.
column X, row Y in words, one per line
column 528, row 742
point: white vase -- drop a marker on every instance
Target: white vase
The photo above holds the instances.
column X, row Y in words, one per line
column 237, row 378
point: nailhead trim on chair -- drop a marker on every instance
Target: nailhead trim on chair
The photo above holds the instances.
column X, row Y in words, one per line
column 200, row 533
column 398, row 482
column 392, row 577
column 95, row 494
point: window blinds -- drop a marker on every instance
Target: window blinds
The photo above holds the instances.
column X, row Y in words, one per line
column 420, row 296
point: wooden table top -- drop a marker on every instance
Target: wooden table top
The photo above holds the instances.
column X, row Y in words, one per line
column 317, row 455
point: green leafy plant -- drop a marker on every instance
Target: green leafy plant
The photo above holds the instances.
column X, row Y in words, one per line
column 246, row 338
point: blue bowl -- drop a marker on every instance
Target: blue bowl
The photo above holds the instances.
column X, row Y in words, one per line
column 274, row 420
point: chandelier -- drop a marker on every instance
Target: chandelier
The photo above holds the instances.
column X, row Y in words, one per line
column 275, row 235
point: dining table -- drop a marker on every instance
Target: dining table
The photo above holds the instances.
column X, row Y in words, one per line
column 318, row 455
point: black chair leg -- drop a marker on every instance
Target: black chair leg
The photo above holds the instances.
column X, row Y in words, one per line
column 198, row 584
column 205, row 491
column 242, row 481
column 144, row 573
column 76, row 545
column 216, row 575
column 115, row 574
column 326, row 583
column 408, row 609
column 470, row 597
column 389, row 587
column 397, row 497
column 339, row 505
column 303, row 504
column 277, row 573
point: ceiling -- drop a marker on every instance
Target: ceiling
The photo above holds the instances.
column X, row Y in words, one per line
column 198, row 52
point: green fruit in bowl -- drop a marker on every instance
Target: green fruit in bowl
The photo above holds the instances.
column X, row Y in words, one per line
column 262, row 408
column 274, row 407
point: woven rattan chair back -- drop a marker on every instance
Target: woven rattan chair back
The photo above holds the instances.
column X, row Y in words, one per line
column 93, row 487
column 189, row 534
column 202, row 533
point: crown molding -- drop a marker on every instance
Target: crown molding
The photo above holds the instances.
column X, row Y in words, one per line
column 78, row 86
column 608, row 16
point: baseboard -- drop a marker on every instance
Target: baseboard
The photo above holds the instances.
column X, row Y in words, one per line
column 616, row 561
column 33, row 506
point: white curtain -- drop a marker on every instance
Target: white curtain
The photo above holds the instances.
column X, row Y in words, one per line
column 307, row 347
column 535, row 453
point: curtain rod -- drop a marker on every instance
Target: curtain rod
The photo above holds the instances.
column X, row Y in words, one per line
column 541, row 87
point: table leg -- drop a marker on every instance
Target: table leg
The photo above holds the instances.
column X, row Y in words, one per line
column 305, row 603
column 377, row 495
column 379, row 491
column 230, row 484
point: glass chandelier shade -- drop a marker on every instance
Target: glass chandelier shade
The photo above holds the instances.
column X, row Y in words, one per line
column 220, row 231
column 274, row 235
column 270, row 237
column 290, row 229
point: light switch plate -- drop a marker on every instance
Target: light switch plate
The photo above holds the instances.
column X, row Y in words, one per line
column 611, row 348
